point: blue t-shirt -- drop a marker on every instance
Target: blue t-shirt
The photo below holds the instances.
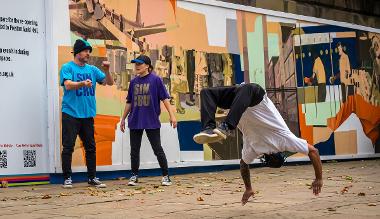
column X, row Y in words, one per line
column 80, row 103
column 144, row 95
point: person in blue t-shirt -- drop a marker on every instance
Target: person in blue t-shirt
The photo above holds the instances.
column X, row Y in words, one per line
column 78, row 80
column 145, row 93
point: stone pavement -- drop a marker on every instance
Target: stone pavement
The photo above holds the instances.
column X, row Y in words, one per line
column 351, row 190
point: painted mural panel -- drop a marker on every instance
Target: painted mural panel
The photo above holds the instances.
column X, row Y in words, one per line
column 323, row 79
column 338, row 88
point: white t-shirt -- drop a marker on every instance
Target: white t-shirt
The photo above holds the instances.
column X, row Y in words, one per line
column 265, row 131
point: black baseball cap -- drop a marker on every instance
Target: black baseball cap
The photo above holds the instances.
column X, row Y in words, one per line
column 142, row 59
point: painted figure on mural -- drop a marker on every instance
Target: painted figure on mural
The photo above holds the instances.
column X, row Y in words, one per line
column 99, row 12
column 178, row 78
column 167, row 53
column 144, row 47
column 190, row 67
column 375, row 55
column 201, row 72
column 162, row 69
column 345, row 74
column 215, row 69
column 227, row 69
column 318, row 78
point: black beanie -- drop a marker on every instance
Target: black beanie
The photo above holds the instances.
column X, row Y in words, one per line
column 81, row 45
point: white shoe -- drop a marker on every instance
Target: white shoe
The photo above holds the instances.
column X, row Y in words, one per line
column 68, row 183
column 166, row 181
column 96, row 182
column 206, row 136
column 133, row 181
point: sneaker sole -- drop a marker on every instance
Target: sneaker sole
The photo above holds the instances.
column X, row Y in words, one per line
column 67, row 187
column 132, row 184
column 202, row 138
column 166, row 184
column 220, row 134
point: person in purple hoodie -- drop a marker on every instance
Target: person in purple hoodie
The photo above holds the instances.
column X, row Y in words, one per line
column 145, row 93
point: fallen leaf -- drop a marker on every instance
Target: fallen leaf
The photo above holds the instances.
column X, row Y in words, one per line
column 345, row 189
column 200, row 199
column 348, row 177
column 189, row 187
column 371, row 204
column 332, row 161
column 156, row 186
column 63, row 194
column 331, row 209
column 361, row 194
column 207, row 193
column 207, row 185
column 46, row 197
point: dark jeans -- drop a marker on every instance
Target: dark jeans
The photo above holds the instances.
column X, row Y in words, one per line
column 236, row 98
column 71, row 127
column 155, row 141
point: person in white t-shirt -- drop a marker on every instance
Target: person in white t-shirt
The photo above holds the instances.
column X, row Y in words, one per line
column 265, row 132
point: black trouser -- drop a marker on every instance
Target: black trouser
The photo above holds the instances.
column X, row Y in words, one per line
column 236, row 98
column 155, row 142
column 71, row 127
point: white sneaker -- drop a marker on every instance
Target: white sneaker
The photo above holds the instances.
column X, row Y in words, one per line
column 68, row 183
column 96, row 182
column 166, row 181
column 133, row 181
